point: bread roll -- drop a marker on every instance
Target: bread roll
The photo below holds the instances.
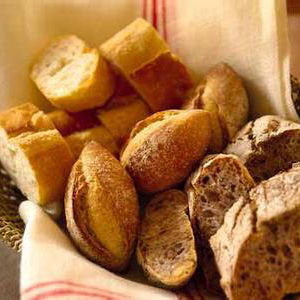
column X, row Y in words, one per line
column 267, row 146
column 120, row 120
column 257, row 247
column 101, row 208
column 156, row 74
column 212, row 189
column 166, row 244
column 30, row 150
column 67, row 123
column 78, row 140
column 163, row 149
column 72, row 76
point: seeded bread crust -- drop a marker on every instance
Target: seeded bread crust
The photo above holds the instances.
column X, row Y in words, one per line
column 257, row 249
column 212, row 189
column 267, row 146
column 166, row 246
column 163, row 149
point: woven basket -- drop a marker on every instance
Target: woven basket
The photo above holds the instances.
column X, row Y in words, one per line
column 11, row 224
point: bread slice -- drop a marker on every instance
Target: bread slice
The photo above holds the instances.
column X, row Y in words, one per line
column 72, row 76
column 164, row 148
column 121, row 119
column 257, row 248
column 267, row 146
column 101, row 207
column 212, row 189
column 31, row 149
column 166, row 246
column 156, row 74
column 67, row 123
column 78, row 140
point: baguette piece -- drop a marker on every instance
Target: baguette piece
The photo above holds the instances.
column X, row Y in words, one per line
column 166, row 245
column 101, row 207
column 257, row 248
column 121, row 119
column 67, row 123
column 31, row 149
column 163, row 149
column 72, row 76
column 212, row 189
column 156, row 74
column 267, row 146
column 78, row 140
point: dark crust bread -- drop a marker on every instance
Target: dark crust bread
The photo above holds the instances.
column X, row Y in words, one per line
column 166, row 246
column 267, row 146
column 163, row 83
column 164, row 148
column 97, row 177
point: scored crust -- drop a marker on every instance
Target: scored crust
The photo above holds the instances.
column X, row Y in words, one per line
column 267, row 146
column 101, row 208
column 164, row 148
column 166, row 246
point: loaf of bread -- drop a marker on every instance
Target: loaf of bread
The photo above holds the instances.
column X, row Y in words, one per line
column 257, row 247
column 212, row 189
column 78, row 140
column 120, row 120
column 267, row 146
column 166, row 246
column 101, row 207
column 30, row 150
column 164, row 148
column 72, row 76
column 222, row 93
column 67, row 123
column 156, row 74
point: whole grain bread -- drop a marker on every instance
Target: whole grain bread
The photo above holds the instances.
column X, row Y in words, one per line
column 166, row 246
column 73, row 76
column 164, row 148
column 212, row 189
column 257, row 249
column 267, row 146
column 101, row 208
column 157, row 75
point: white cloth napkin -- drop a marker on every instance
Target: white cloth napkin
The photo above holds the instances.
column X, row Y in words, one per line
column 249, row 35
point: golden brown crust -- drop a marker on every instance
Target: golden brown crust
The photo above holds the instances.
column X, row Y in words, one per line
column 164, row 148
column 101, row 208
column 67, row 123
column 166, row 245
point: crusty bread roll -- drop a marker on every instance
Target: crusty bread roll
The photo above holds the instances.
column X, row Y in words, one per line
column 101, row 207
column 164, row 148
column 166, row 245
column 121, row 119
column 30, row 150
column 212, row 189
column 78, row 140
column 67, row 123
column 143, row 57
column 267, row 146
column 72, row 76
column 257, row 247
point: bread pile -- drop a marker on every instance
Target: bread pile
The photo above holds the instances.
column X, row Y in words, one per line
column 131, row 129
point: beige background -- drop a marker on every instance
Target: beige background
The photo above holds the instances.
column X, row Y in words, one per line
column 9, row 260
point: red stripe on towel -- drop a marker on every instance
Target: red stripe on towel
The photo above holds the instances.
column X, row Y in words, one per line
column 145, row 15
column 164, row 19
column 154, row 13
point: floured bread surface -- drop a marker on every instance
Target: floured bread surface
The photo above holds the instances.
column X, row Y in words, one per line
column 144, row 59
column 267, row 146
column 78, row 140
column 257, row 249
column 72, row 76
column 166, row 245
column 164, row 148
column 101, row 207
column 30, row 150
